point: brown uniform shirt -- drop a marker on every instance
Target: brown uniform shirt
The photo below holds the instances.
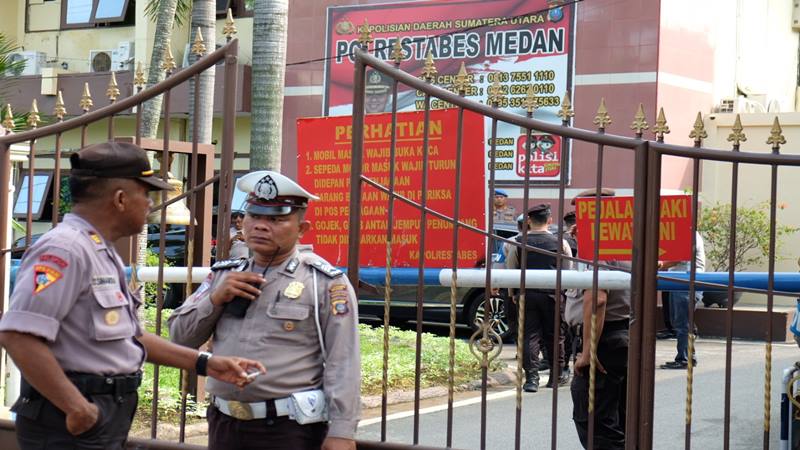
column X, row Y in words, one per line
column 280, row 331
column 71, row 291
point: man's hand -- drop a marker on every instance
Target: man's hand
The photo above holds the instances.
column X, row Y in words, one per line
column 334, row 443
column 582, row 365
column 237, row 284
column 233, row 370
column 82, row 418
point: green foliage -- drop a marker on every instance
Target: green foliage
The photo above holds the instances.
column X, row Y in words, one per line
column 65, row 197
column 752, row 235
column 7, row 46
column 402, row 368
column 183, row 11
column 151, row 289
column 169, row 378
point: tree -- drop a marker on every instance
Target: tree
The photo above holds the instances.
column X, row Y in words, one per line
column 7, row 66
column 164, row 13
column 204, row 16
column 270, row 19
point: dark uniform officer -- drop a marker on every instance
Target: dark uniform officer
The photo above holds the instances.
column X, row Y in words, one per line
column 72, row 327
column 301, row 322
column 540, row 304
column 612, row 357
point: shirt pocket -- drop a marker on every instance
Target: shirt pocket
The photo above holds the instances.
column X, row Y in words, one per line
column 110, row 315
column 290, row 322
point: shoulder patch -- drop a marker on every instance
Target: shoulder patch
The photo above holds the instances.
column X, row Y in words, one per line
column 327, row 269
column 229, row 264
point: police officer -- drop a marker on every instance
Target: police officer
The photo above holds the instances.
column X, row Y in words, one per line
column 613, row 314
column 540, row 304
column 503, row 212
column 299, row 317
column 72, row 327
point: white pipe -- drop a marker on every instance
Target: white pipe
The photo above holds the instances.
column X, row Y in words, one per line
column 172, row 274
column 540, row 279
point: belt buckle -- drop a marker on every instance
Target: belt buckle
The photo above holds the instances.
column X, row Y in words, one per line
column 240, row 410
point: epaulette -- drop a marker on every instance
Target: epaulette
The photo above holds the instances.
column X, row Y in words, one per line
column 292, row 266
column 327, row 269
column 228, row 264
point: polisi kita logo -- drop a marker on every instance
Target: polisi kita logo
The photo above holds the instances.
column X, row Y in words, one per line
column 545, row 155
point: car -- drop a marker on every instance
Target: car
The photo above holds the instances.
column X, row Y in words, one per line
column 470, row 302
column 174, row 242
column 18, row 247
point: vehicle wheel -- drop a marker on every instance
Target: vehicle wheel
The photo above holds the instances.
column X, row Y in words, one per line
column 504, row 325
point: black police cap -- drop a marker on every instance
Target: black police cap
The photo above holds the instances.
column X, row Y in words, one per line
column 116, row 160
column 538, row 210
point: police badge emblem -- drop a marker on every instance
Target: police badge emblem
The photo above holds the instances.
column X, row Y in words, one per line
column 265, row 188
column 294, row 289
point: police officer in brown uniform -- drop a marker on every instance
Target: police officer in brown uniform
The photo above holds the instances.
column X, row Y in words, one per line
column 72, row 326
column 289, row 309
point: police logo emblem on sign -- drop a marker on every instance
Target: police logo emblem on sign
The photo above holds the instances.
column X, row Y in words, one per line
column 294, row 290
column 265, row 188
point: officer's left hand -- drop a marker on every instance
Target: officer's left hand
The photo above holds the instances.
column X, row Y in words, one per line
column 334, row 443
column 233, row 370
column 582, row 365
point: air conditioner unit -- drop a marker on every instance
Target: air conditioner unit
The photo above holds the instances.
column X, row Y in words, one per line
column 727, row 105
column 100, row 60
column 122, row 56
column 34, row 62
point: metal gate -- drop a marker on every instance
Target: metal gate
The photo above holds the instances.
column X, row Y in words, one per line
column 644, row 275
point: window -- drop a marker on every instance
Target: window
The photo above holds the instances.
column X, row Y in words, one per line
column 90, row 13
column 41, row 189
column 240, row 8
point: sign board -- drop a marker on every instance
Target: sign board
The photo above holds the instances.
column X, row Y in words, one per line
column 324, row 157
column 520, row 43
column 616, row 228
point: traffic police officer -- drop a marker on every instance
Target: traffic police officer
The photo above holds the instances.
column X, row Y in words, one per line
column 540, row 304
column 72, row 326
column 299, row 318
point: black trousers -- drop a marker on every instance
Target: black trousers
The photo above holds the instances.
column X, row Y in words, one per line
column 42, row 426
column 539, row 331
column 279, row 433
column 610, row 391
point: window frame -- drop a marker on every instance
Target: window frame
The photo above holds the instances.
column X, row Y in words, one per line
column 36, row 214
column 93, row 22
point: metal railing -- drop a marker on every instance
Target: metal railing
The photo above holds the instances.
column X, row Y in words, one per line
column 644, row 275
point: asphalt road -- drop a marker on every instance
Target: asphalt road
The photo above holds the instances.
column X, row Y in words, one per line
column 747, row 410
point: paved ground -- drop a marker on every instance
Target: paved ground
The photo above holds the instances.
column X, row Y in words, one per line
column 746, row 416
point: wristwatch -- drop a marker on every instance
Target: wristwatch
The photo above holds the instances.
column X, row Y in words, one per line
column 202, row 363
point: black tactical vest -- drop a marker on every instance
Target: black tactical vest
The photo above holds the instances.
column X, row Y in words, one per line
column 544, row 241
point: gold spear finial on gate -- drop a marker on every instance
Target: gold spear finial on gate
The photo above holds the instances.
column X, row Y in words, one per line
column 602, row 119
column 8, row 121
column 566, row 111
column 495, row 92
column 86, row 100
column 365, row 37
column 776, row 137
column 169, row 61
column 33, row 116
column 59, row 110
column 229, row 30
column 398, row 54
column 429, row 69
column 198, row 47
column 698, row 132
column 461, row 83
column 138, row 78
column 737, row 136
column 113, row 89
column 529, row 102
column 661, row 128
column 639, row 121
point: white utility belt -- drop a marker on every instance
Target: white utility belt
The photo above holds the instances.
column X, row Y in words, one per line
column 304, row 407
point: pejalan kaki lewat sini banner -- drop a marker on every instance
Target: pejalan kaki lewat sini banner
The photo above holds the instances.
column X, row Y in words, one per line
column 324, row 158
column 520, row 43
